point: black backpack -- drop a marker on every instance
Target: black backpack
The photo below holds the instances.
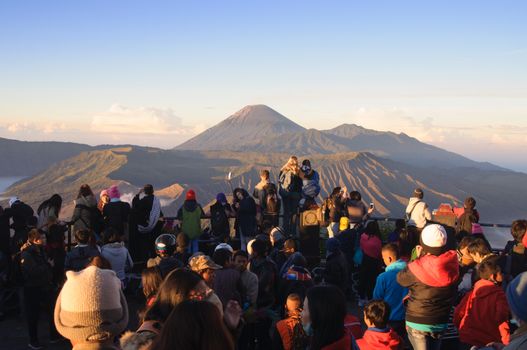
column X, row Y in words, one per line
column 272, row 202
column 219, row 221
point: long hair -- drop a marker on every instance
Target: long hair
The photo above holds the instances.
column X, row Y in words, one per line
column 175, row 289
column 84, row 191
column 194, row 325
column 372, row 229
column 54, row 201
column 327, row 310
column 291, row 165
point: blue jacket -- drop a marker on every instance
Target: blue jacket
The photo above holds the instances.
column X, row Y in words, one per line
column 387, row 289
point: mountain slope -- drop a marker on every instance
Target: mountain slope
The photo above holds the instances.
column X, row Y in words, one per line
column 247, row 126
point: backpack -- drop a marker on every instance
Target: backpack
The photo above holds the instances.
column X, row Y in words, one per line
column 219, row 222
column 272, row 202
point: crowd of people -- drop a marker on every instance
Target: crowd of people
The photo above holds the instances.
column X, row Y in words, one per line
column 206, row 288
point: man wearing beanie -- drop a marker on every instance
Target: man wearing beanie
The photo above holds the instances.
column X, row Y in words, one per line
column 91, row 309
column 432, row 283
column 189, row 215
column 517, row 299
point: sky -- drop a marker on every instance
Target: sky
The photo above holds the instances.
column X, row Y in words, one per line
column 450, row 73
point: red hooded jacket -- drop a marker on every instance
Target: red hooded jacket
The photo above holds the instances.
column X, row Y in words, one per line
column 380, row 339
column 482, row 315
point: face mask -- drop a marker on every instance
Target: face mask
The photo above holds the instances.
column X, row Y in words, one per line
column 307, row 329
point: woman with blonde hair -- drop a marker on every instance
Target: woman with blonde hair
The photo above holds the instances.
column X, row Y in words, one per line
column 290, row 189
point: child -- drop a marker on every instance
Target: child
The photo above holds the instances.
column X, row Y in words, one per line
column 80, row 255
column 483, row 314
column 378, row 335
column 387, row 288
column 117, row 254
column 288, row 333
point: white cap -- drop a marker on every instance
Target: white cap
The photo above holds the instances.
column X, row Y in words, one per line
column 224, row 246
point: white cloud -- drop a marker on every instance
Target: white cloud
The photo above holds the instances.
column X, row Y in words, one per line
column 142, row 120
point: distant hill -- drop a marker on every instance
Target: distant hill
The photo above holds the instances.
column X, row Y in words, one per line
column 249, row 125
column 23, row 158
column 387, row 183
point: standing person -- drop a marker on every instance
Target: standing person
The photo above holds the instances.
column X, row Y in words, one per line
column 336, row 271
column 379, row 335
column 310, row 184
column 333, row 209
column 358, row 213
column 290, row 189
column 79, row 256
column 85, row 214
column 220, row 212
column 145, row 222
column 116, row 213
column 21, row 214
column 227, row 280
column 268, row 202
column 116, row 253
column 91, row 309
column 417, row 213
column 38, row 288
column 432, row 281
column 323, row 319
column 387, row 288
column 371, row 266
column 482, row 316
column 55, row 248
column 190, row 215
column 464, row 222
column 49, row 208
column 245, row 208
column 248, row 279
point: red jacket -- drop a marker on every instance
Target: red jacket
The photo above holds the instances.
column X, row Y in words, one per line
column 380, row 339
column 482, row 315
column 352, row 326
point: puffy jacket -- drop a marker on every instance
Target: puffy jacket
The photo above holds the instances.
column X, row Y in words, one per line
column 387, row 289
column 482, row 315
column 432, row 281
column 119, row 257
column 79, row 256
column 84, row 213
column 380, row 339
column 419, row 212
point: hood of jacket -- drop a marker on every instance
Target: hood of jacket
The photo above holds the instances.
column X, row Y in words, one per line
column 436, row 271
column 88, row 201
column 381, row 339
column 115, row 248
column 190, row 205
column 483, row 288
column 396, row 265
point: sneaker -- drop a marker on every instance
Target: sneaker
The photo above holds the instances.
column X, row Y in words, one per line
column 35, row 346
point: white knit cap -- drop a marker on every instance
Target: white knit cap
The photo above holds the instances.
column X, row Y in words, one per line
column 91, row 306
column 433, row 239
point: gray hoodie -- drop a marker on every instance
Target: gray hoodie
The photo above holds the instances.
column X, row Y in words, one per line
column 119, row 257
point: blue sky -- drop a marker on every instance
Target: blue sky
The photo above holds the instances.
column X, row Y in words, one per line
column 451, row 73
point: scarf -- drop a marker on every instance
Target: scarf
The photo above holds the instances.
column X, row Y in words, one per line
column 155, row 212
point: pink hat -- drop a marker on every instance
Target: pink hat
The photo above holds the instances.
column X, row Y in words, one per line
column 477, row 229
column 103, row 193
column 113, row 192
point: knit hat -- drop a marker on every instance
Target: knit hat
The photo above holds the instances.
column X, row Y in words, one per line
column 220, row 197
column 224, row 246
column 332, row 245
column 516, row 296
column 477, row 229
column 13, row 200
column 202, row 262
column 191, row 195
column 344, row 223
column 91, row 306
column 113, row 192
column 276, row 234
column 433, row 239
column 103, row 193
